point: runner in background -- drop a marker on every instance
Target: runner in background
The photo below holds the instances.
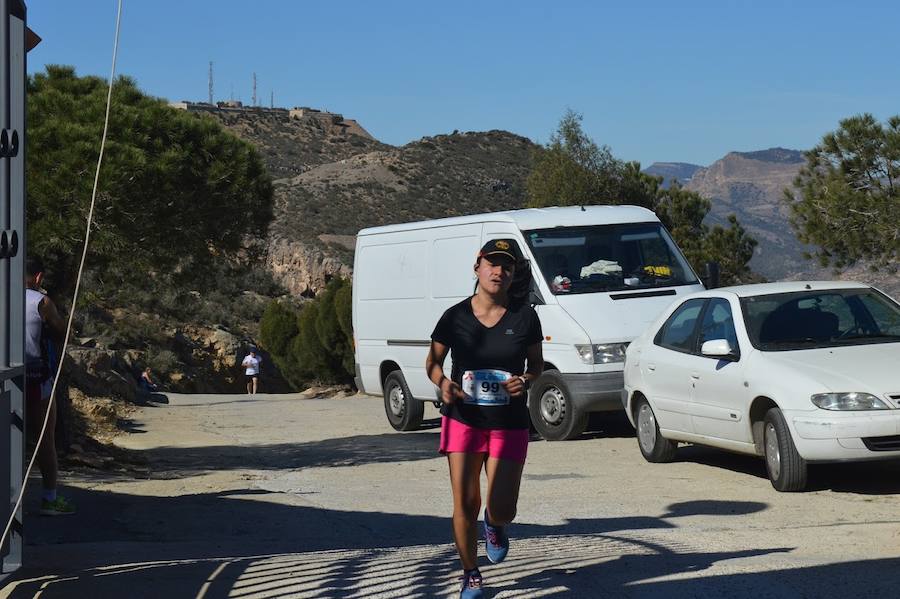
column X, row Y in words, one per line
column 251, row 371
column 484, row 422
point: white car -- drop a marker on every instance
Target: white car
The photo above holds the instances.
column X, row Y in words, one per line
column 796, row 372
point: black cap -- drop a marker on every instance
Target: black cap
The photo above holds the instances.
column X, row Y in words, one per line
column 506, row 247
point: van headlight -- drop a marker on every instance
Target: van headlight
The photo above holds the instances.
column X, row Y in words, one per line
column 848, row 401
column 604, row 353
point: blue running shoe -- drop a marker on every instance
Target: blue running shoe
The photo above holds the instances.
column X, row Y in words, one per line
column 495, row 541
column 471, row 585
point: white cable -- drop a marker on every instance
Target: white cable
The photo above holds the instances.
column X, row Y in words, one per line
column 87, row 236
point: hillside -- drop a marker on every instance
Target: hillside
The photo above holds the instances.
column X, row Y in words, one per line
column 439, row 176
column 290, row 146
column 318, row 212
column 331, row 180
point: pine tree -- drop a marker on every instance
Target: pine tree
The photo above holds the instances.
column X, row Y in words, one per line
column 846, row 199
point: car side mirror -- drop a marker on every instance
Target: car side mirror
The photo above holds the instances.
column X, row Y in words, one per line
column 718, row 348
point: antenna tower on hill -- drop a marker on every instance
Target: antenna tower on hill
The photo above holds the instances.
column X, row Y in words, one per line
column 272, row 99
column 254, row 89
column 210, row 83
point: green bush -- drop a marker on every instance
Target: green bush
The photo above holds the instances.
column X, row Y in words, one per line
column 277, row 328
column 316, row 344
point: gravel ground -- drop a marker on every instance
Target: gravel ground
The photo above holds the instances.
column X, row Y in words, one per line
column 285, row 496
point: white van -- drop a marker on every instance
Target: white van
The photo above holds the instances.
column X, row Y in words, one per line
column 601, row 274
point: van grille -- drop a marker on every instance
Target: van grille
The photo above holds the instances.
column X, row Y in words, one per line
column 890, row 443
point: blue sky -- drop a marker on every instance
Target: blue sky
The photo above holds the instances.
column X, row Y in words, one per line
column 656, row 81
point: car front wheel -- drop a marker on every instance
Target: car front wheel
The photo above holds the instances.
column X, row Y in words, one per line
column 787, row 470
column 654, row 447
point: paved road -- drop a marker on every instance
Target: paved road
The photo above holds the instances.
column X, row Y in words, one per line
column 279, row 496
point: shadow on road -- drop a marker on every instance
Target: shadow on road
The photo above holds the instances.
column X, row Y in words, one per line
column 242, row 544
column 608, row 425
column 345, row 451
column 864, row 478
column 249, row 544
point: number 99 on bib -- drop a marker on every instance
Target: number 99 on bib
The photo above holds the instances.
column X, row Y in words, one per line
column 484, row 388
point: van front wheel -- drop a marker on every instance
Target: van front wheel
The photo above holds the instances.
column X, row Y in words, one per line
column 553, row 413
column 403, row 411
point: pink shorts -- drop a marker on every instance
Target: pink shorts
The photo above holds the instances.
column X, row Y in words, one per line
column 504, row 444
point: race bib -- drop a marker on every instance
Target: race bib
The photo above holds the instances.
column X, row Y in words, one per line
column 483, row 388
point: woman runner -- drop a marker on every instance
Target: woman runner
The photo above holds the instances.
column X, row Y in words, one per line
column 485, row 421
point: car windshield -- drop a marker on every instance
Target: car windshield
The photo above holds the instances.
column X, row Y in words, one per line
column 813, row 319
column 608, row 258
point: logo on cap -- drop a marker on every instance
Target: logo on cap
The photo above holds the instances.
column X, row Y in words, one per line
column 502, row 245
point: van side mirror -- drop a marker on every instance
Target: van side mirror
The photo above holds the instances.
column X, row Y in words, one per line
column 710, row 278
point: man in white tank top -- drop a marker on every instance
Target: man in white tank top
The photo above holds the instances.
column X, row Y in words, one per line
column 42, row 318
column 251, row 371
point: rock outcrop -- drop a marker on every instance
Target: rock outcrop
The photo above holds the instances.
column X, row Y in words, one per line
column 103, row 372
column 302, row 269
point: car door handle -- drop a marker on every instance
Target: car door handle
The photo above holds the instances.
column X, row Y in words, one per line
column 651, row 367
column 695, row 376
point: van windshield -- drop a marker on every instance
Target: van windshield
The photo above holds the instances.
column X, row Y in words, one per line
column 608, row 258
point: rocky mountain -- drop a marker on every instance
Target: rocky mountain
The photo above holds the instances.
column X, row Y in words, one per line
column 330, row 182
column 751, row 185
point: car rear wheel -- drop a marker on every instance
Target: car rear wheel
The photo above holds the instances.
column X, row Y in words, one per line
column 787, row 470
column 553, row 414
column 654, row 447
column 403, row 411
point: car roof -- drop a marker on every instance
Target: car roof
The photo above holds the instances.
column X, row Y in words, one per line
column 536, row 218
column 785, row 287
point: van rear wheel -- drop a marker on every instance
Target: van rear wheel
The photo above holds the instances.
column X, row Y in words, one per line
column 403, row 411
column 553, row 414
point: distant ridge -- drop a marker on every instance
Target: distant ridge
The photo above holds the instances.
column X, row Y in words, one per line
column 776, row 155
column 669, row 171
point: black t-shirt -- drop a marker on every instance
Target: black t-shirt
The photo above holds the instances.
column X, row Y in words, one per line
column 474, row 346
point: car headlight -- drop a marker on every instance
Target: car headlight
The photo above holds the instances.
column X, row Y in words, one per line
column 848, row 401
column 604, row 353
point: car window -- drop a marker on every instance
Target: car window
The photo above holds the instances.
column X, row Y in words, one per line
column 886, row 318
column 835, row 304
column 820, row 318
column 678, row 331
column 718, row 323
